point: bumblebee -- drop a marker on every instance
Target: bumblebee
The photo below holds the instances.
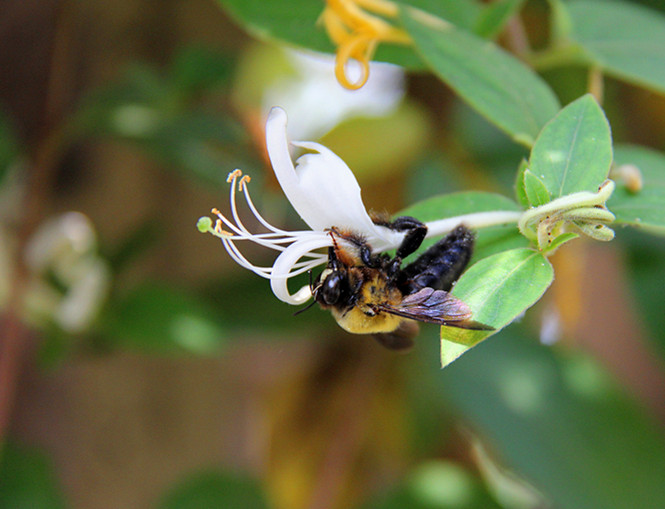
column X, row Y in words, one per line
column 372, row 294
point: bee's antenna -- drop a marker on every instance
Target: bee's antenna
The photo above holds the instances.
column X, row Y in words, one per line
column 305, row 308
column 311, row 289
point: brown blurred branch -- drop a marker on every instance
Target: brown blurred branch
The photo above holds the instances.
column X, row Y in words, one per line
column 41, row 170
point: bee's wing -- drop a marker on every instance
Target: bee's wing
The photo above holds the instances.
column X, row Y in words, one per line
column 401, row 339
column 435, row 306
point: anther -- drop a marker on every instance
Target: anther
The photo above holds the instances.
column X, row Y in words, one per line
column 221, row 231
column 233, row 175
column 246, row 179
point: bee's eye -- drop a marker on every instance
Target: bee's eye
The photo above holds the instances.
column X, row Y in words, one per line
column 331, row 289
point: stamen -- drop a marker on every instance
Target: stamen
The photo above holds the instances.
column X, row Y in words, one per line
column 258, row 216
column 233, row 175
column 246, row 179
column 357, row 33
column 360, row 48
column 234, row 211
column 266, row 272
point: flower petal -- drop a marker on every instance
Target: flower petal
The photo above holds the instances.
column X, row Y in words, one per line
column 285, row 262
column 322, row 188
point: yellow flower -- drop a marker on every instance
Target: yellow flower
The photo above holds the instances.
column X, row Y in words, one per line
column 357, row 33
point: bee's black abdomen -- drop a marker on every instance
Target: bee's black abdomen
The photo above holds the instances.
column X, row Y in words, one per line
column 441, row 265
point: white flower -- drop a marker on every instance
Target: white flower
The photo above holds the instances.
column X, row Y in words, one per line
column 324, row 192
column 316, row 102
column 66, row 247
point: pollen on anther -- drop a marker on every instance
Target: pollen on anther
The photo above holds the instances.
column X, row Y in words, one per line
column 246, row 179
column 215, row 211
column 233, row 175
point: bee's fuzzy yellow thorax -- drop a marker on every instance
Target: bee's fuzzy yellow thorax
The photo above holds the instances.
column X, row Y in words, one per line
column 362, row 317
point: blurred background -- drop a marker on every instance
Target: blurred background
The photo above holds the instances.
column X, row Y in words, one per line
column 140, row 367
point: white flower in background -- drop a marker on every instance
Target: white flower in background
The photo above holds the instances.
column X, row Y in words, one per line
column 64, row 249
column 324, row 192
column 316, row 102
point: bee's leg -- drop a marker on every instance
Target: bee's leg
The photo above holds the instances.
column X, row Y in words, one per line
column 415, row 233
column 364, row 249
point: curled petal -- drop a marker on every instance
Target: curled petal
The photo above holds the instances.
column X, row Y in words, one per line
column 285, row 261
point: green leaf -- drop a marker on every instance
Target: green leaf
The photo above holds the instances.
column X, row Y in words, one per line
column 27, row 479
column 520, row 192
column 645, row 208
column 561, row 24
column 437, row 484
column 497, row 289
column 574, row 150
column 560, row 240
column 156, row 318
column 295, row 22
column 496, row 84
column 489, row 240
column 462, row 14
column 626, row 40
column 535, row 190
column 561, row 422
column 215, row 489
column 494, row 17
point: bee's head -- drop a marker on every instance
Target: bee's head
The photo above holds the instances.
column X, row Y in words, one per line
column 331, row 285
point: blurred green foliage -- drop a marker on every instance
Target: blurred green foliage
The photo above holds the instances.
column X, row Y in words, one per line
column 215, row 489
column 27, row 480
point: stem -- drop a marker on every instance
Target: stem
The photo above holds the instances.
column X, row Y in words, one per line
column 516, row 37
column 596, row 85
column 557, row 56
column 475, row 221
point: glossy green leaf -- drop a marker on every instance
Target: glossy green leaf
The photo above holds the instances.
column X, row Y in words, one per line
column 574, row 150
column 645, row 208
column 624, row 39
column 27, row 479
column 215, row 489
column 495, row 15
column 295, row 22
column 535, row 190
column 434, row 485
column 496, row 84
column 489, row 240
column 559, row 421
column 497, row 289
